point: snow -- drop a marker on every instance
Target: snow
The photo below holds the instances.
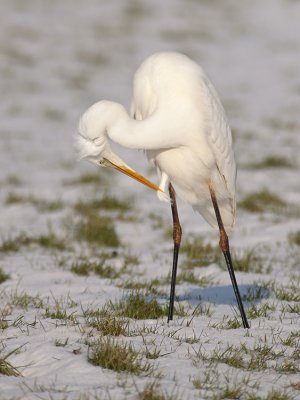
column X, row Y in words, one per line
column 59, row 57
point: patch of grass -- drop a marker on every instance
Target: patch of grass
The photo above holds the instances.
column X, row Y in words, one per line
column 291, row 308
column 272, row 161
column 48, row 205
column 14, row 244
column 198, row 253
column 6, row 368
column 96, row 229
column 190, row 277
column 231, row 356
column 287, row 367
column 119, row 357
column 228, row 323
column 150, row 287
column 14, row 198
column 3, row 276
column 275, row 394
column 136, row 306
column 260, row 355
column 229, row 392
column 59, row 313
column 295, row 385
column 112, row 203
column 86, row 179
column 258, row 358
column 13, row 180
column 105, row 203
column 294, row 238
column 153, row 391
column 256, row 292
column 262, row 201
column 293, row 339
column 157, row 221
column 276, row 123
column 55, row 114
column 50, row 241
column 152, row 354
column 83, row 268
column 106, row 271
column 24, row 300
column 41, row 205
column 86, row 267
column 249, row 261
column 109, row 325
column 290, row 293
column 258, row 311
column 203, row 309
column 4, row 312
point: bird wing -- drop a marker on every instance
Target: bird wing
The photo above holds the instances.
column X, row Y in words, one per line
column 219, row 139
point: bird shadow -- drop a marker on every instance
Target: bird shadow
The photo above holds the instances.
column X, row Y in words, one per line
column 223, row 294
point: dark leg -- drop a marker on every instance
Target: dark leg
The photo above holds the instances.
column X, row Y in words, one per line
column 224, row 245
column 177, row 239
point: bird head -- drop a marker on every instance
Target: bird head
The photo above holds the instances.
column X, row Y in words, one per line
column 92, row 141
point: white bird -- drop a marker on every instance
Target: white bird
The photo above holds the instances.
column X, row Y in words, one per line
column 178, row 119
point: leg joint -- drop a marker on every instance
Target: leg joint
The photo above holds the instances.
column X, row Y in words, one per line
column 224, row 243
column 177, row 232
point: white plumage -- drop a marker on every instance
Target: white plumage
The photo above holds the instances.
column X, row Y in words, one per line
column 178, row 119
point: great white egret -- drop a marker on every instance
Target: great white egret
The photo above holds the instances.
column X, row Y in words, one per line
column 178, row 119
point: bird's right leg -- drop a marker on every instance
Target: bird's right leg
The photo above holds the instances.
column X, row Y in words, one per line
column 224, row 245
column 177, row 239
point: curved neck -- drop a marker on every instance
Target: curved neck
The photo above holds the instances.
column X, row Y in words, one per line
column 153, row 132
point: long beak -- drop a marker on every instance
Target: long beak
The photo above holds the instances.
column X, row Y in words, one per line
column 129, row 172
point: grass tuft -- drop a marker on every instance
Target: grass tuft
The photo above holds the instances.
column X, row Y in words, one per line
column 150, row 287
column 249, row 261
column 41, row 205
column 294, row 238
column 153, row 391
column 60, row 313
column 109, row 325
column 256, row 292
column 136, row 306
column 6, row 368
column 262, row 201
column 198, row 253
column 85, row 268
column 97, row 230
column 50, row 241
column 13, row 180
column 119, row 357
column 86, row 179
column 258, row 311
column 290, row 293
column 272, row 162
column 24, row 300
column 3, row 276
column 108, row 203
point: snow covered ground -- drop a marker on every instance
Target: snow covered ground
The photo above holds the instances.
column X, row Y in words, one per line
column 57, row 58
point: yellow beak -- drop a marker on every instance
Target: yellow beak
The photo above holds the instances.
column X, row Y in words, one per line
column 130, row 172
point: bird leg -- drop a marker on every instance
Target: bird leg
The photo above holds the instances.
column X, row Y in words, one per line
column 177, row 239
column 224, row 245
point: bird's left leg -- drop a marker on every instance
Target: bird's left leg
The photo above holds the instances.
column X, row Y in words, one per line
column 177, row 239
column 224, row 245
